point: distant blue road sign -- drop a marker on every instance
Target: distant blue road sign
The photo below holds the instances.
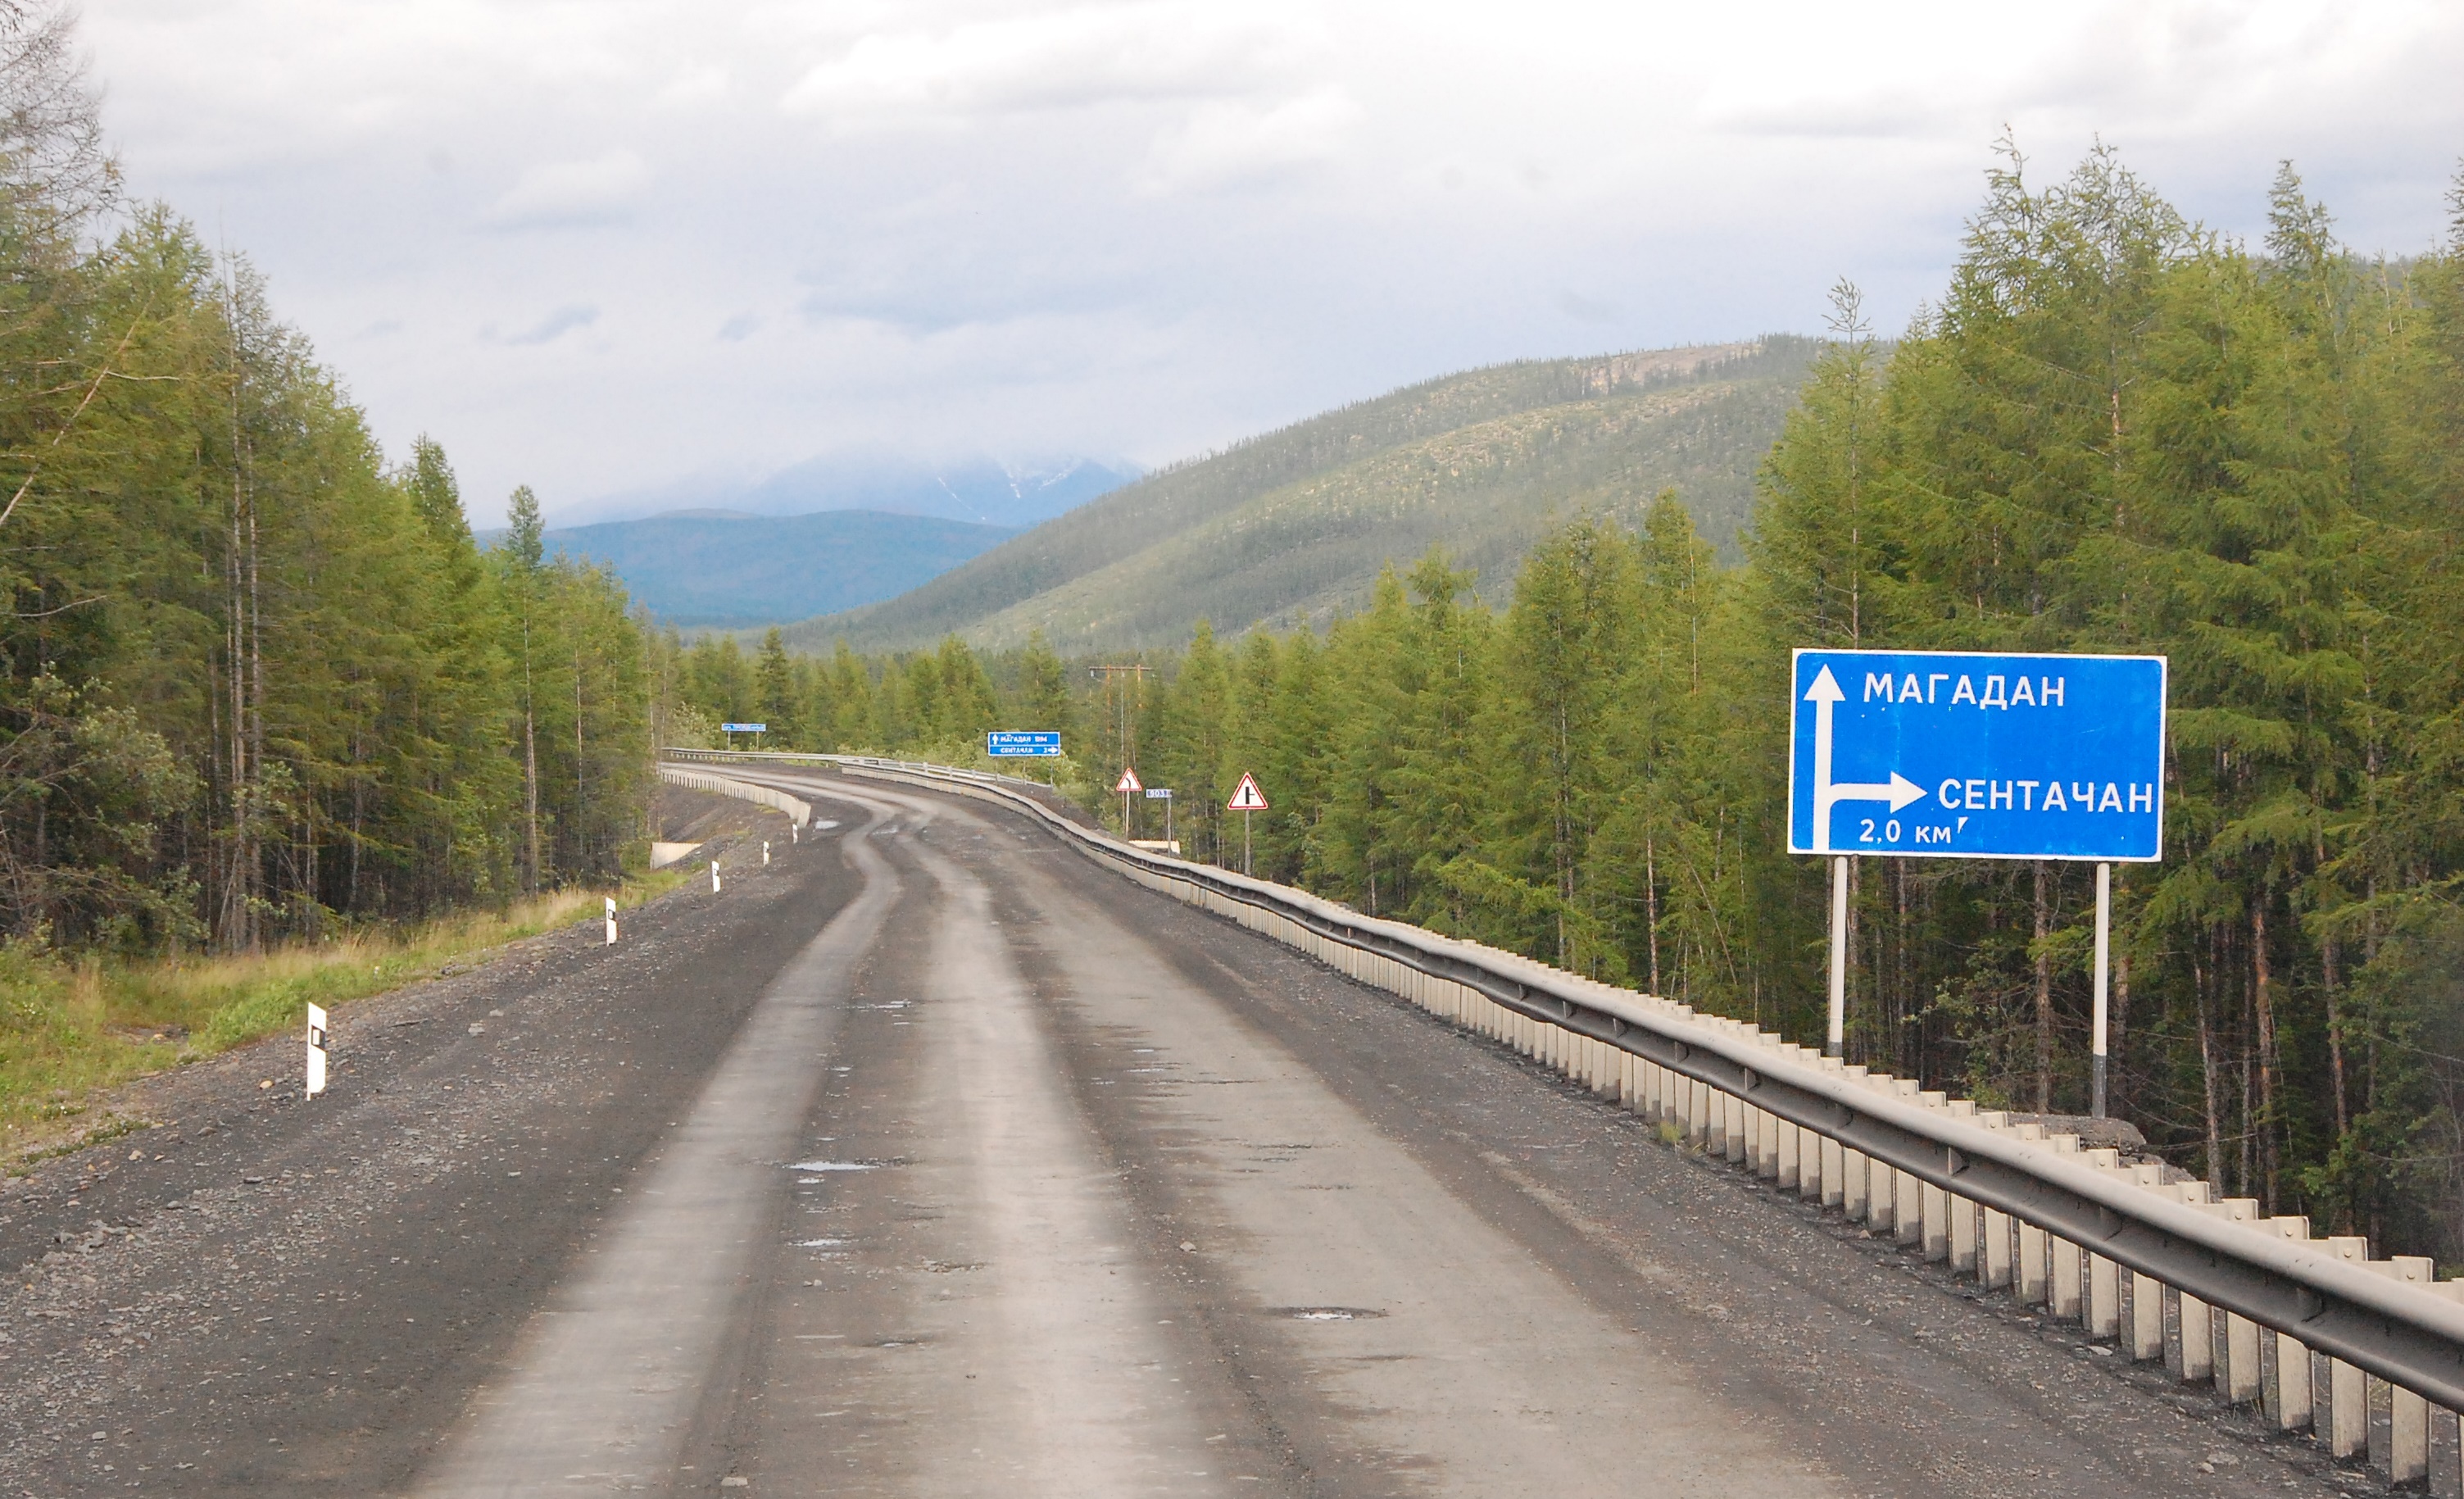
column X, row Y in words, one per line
column 744, row 728
column 1017, row 742
column 1957, row 756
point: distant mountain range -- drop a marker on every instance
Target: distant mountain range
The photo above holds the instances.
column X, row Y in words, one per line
column 981, row 490
column 1292, row 527
column 731, row 570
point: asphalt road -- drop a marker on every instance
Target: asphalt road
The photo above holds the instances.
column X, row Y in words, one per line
column 934, row 1159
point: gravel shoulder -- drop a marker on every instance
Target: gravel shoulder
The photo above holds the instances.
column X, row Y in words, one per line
column 266, row 1295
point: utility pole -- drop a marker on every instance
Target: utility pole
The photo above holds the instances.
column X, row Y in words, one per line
column 1126, row 717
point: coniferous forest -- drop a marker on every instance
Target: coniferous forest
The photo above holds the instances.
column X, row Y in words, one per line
column 260, row 683
column 2116, row 431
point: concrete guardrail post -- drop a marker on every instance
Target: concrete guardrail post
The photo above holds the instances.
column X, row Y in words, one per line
column 2065, row 1300
column 2030, row 1265
column 2399, row 1420
column 2446, row 1450
column 1966, row 1237
column 2103, row 1298
column 1999, row 1263
column 2143, row 1318
column 2190, row 1350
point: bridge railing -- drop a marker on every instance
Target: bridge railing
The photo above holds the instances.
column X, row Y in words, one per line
column 2367, row 1355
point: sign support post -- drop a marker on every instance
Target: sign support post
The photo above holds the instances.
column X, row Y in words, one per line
column 2104, row 950
column 1836, row 1038
column 1247, row 799
column 1972, row 754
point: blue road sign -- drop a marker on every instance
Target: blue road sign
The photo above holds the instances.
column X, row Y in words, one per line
column 744, row 728
column 1022, row 741
column 1956, row 756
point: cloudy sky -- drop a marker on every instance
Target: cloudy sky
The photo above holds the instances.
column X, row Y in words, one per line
column 600, row 245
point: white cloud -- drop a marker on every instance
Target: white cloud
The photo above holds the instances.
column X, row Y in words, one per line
column 556, row 195
column 1146, row 228
column 1221, row 144
column 695, row 87
column 555, row 325
column 1075, row 57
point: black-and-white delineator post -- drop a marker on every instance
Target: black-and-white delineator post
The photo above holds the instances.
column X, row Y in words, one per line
column 713, row 876
column 1247, row 799
column 765, row 852
column 316, row 1077
column 611, row 921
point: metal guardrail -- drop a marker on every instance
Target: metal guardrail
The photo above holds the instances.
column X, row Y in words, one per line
column 798, row 812
column 1751, row 1093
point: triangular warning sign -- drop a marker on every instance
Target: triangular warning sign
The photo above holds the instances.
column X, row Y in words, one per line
column 1128, row 781
column 1246, row 797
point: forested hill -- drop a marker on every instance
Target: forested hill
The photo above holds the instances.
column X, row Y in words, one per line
column 1293, row 526
column 738, row 569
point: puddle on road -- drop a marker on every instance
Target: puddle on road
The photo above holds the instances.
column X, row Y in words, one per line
column 835, row 1165
column 1329, row 1314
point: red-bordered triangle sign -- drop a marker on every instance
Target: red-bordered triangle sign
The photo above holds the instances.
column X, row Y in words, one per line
column 1128, row 781
column 1246, row 797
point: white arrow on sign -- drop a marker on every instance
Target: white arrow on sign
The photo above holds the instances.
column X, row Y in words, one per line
column 1825, row 694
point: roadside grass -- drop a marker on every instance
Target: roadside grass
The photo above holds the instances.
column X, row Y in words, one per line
column 72, row 1027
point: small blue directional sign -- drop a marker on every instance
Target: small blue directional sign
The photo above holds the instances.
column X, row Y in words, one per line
column 1958, row 755
column 744, row 728
column 1021, row 741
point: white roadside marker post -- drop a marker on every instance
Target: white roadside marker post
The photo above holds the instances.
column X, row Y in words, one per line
column 316, row 1072
column 713, row 876
column 765, row 852
column 611, row 921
